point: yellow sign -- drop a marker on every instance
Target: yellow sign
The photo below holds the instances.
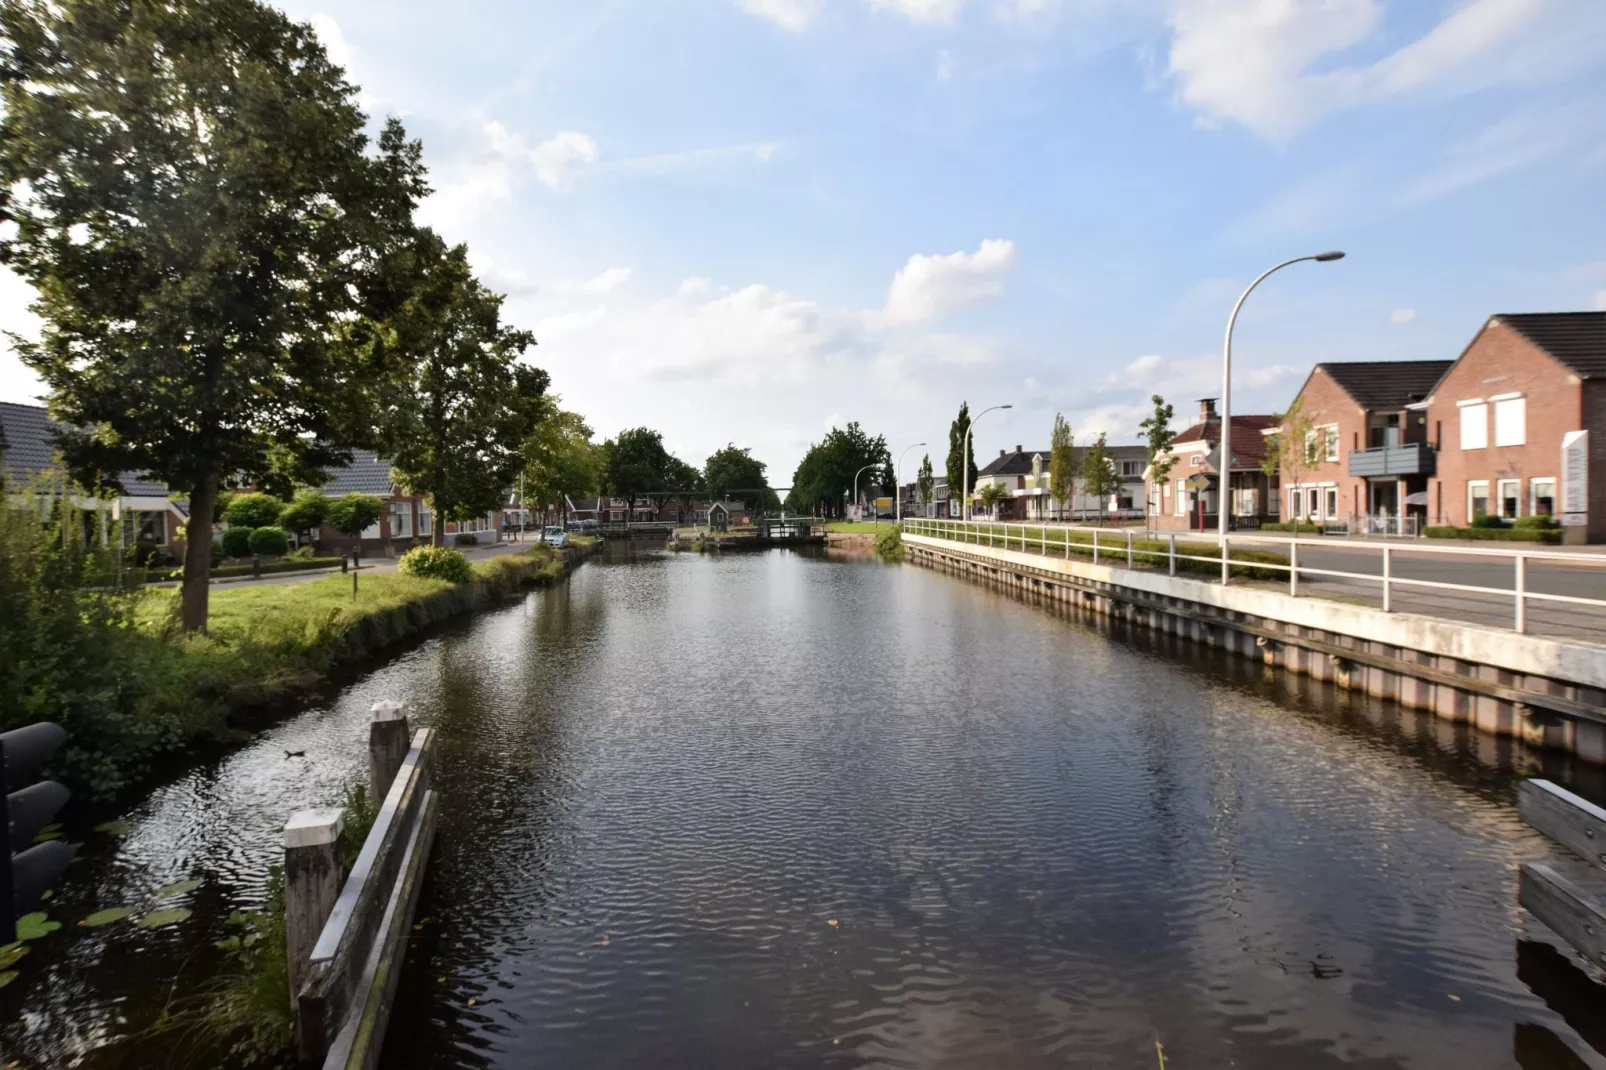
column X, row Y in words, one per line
column 1198, row 482
column 883, row 503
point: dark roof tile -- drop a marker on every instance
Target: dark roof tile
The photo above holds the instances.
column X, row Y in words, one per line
column 1576, row 339
column 1387, row 384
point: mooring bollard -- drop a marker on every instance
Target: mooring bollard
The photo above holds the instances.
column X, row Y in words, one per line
column 314, row 861
column 256, row 566
column 388, row 740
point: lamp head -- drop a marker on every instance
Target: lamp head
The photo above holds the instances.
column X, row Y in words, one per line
column 1333, row 255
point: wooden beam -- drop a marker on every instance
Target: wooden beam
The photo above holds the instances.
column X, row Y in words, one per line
column 1574, row 915
column 1574, row 822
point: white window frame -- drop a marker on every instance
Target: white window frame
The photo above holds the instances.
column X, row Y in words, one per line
column 1471, row 483
column 426, row 520
column 1510, row 420
column 1500, row 497
column 1533, row 494
column 1313, row 501
column 403, row 512
column 1182, row 498
column 1330, row 502
column 1329, row 442
column 1474, row 418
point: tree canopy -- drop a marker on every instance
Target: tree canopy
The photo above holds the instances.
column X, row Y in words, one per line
column 1159, row 437
column 926, row 481
column 636, row 464
column 824, row 478
column 1099, row 477
column 197, row 205
column 560, row 460
column 733, row 472
column 957, row 457
column 1061, row 462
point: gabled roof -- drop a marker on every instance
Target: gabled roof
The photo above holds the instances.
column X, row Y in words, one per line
column 27, row 440
column 1019, row 462
column 366, row 474
column 1576, row 339
column 1248, row 444
column 1387, row 384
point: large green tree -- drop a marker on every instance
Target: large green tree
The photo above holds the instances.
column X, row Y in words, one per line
column 196, row 202
column 560, row 460
column 460, row 406
column 958, row 458
column 636, row 465
column 1159, row 436
column 926, row 481
column 1100, row 481
column 825, row 478
column 735, row 472
column 1061, row 463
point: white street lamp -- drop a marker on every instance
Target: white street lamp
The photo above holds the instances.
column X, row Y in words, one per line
column 856, row 486
column 964, row 463
column 897, row 484
column 1224, row 466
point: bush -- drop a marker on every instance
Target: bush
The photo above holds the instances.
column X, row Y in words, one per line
column 270, row 542
column 436, row 563
column 1542, row 523
column 354, row 513
column 889, row 544
column 1299, row 528
column 1545, row 536
column 1488, row 521
column 237, row 542
column 466, row 538
column 306, row 513
column 253, row 511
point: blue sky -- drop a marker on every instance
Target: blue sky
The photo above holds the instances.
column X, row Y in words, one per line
column 746, row 220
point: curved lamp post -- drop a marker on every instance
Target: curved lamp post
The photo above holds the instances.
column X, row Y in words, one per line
column 964, row 463
column 1224, row 502
column 897, row 484
column 856, row 484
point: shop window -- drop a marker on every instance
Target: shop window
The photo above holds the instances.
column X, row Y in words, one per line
column 1477, row 499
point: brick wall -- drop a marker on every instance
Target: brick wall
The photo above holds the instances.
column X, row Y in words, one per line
column 1325, row 404
column 1502, row 361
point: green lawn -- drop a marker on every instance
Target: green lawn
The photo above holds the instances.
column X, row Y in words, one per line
column 869, row 527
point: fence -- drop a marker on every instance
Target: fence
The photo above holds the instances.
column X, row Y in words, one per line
column 1266, row 557
column 345, row 936
column 1573, row 908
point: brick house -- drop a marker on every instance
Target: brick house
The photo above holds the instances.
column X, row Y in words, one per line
column 1024, row 474
column 1520, row 424
column 1175, row 505
column 407, row 519
column 1368, row 458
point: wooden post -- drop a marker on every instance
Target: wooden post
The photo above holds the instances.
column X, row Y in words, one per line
column 388, row 741
column 314, row 861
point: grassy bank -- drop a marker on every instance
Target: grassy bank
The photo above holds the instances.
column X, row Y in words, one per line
column 1147, row 552
column 266, row 644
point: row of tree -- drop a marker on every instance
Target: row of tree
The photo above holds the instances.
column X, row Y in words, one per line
column 847, row 459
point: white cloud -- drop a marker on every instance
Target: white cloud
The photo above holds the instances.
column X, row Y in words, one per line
column 333, row 38
column 1265, row 63
column 557, row 158
column 607, row 280
column 1519, row 140
column 931, row 286
column 1600, row 301
column 1402, row 315
column 921, row 11
column 794, row 15
column 668, row 162
column 694, row 285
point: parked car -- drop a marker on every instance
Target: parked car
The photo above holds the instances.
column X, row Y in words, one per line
column 556, row 536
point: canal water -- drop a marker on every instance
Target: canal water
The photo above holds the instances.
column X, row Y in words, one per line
column 788, row 810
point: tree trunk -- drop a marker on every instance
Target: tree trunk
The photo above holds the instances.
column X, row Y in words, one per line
column 195, row 590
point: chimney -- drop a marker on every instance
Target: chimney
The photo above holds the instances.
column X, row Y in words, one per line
column 1002, row 451
column 1018, row 449
column 1207, row 410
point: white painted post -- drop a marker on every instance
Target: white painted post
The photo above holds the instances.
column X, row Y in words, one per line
column 388, row 741
column 1293, row 568
column 1129, row 549
column 1043, row 532
column 1173, row 541
column 313, row 865
column 1225, row 556
column 1388, row 572
column 1095, row 546
column 1522, row 595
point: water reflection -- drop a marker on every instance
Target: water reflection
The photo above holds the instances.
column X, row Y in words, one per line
column 784, row 810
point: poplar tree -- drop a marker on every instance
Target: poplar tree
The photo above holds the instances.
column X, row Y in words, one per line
column 1061, row 463
column 198, row 207
column 1159, row 436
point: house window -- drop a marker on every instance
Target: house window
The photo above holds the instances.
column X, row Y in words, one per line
column 371, row 531
column 1330, row 434
column 1510, row 421
column 401, row 520
column 1332, row 503
column 426, row 525
column 1131, row 469
column 1182, row 497
column 1477, row 499
column 1542, row 497
column 1510, row 498
column 1312, row 449
column 1314, row 503
column 1474, row 426
column 1196, row 461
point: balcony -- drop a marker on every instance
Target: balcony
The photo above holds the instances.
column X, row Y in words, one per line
column 1417, row 459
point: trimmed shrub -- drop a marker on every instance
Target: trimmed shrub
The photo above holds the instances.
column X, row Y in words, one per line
column 253, row 511
column 270, row 542
column 306, row 513
column 1300, row 528
column 1542, row 523
column 354, row 513
column 1544, row 536
column 466, row 538
column 237, row 542
column 1488, row 520
column 436, row 563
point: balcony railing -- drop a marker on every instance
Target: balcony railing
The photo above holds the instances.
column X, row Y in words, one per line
column 1416, row 459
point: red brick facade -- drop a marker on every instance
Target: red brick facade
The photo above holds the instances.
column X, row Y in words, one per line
column 1330, row 408
column 1521, row 476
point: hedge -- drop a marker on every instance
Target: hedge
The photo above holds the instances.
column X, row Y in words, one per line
column 1312, row 529
column 310, row 564
column 1545, row 536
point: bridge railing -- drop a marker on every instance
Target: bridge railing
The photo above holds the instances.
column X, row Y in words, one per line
column 345, row 934
column 1571, row 905
column 1263, row 557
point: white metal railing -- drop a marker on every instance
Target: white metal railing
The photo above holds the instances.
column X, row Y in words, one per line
column 1134, row 548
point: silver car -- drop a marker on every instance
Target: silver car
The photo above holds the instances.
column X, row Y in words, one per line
column 556, row 536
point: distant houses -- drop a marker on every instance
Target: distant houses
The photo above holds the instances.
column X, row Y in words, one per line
column 1024, row 476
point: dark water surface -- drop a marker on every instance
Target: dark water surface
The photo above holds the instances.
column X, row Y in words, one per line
column 782, row 811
